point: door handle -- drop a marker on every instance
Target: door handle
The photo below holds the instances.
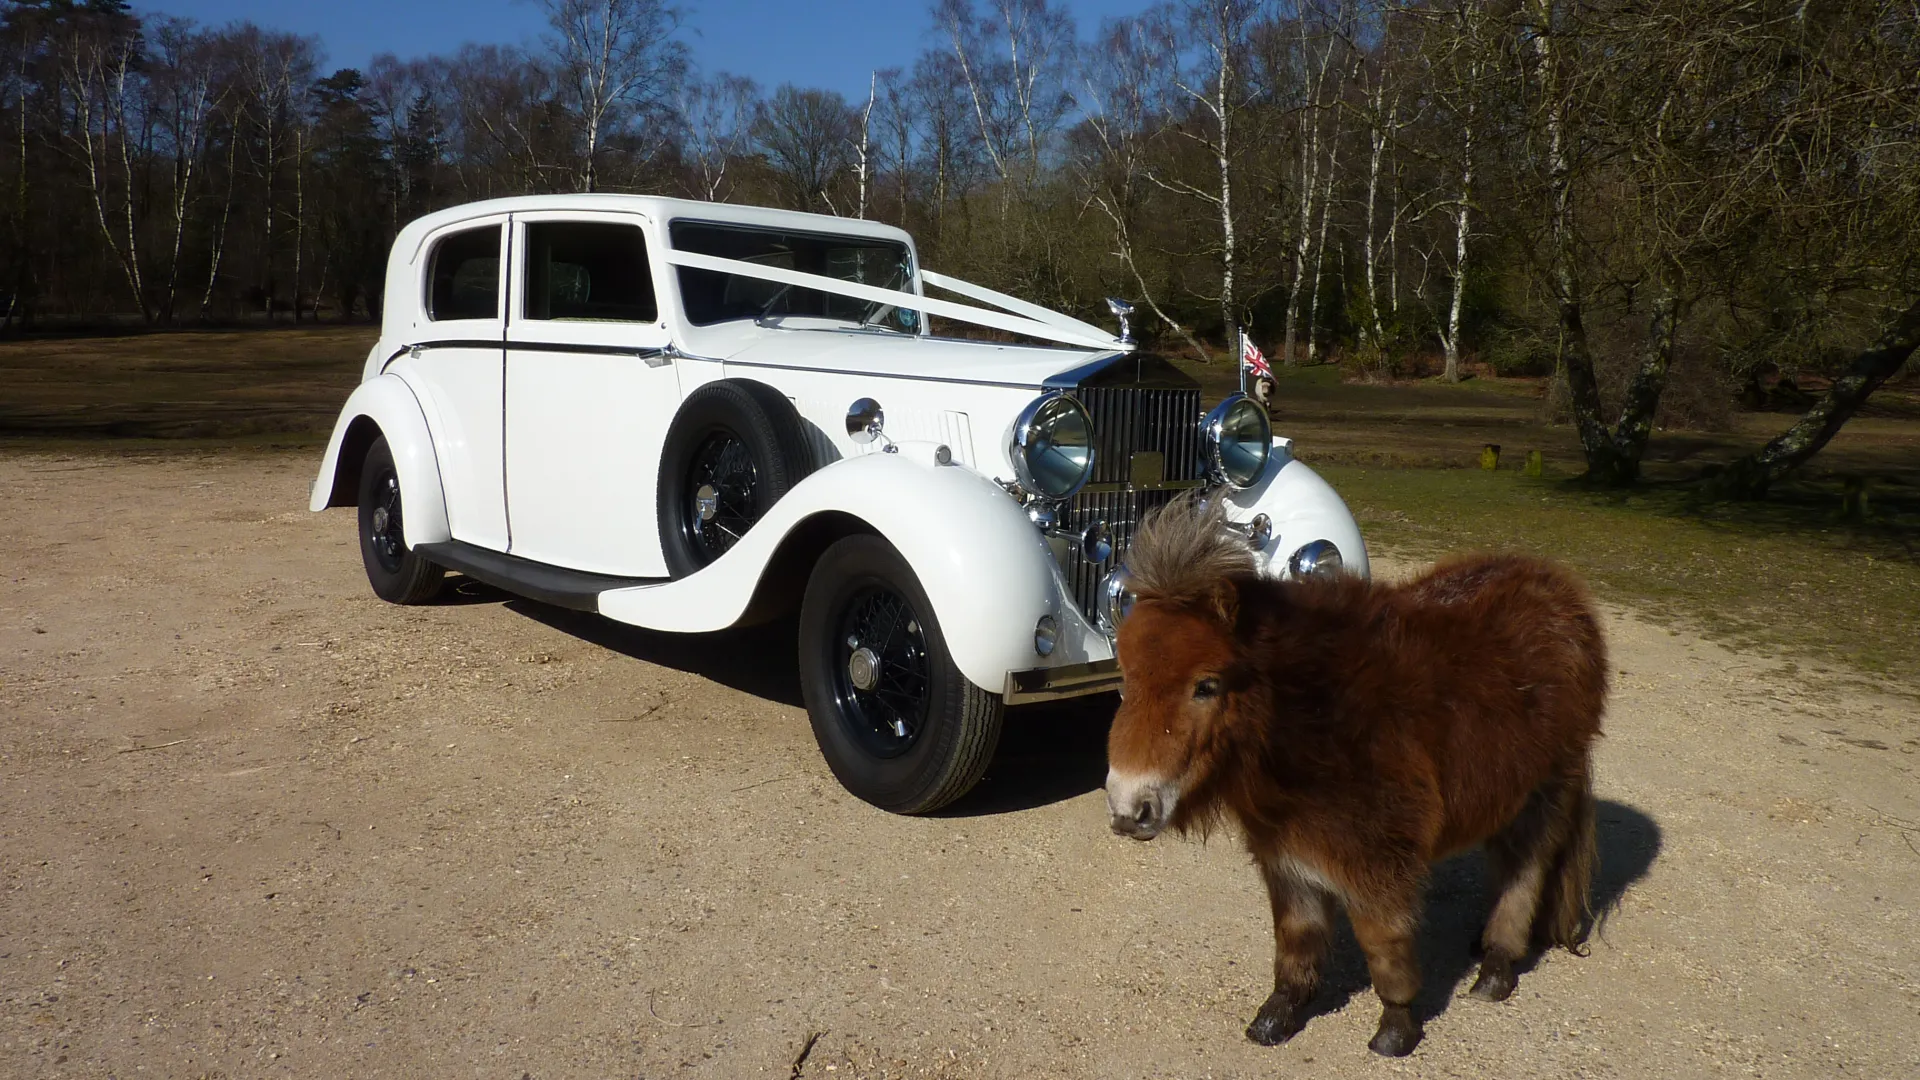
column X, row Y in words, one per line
column 656, row 357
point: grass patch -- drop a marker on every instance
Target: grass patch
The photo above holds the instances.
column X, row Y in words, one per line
column 1779, row 577
column 181, row 388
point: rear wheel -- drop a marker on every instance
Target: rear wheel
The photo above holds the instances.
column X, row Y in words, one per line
column 898, row 723
column 397, row 572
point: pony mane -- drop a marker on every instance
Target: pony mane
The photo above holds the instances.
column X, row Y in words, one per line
column 1184, row 548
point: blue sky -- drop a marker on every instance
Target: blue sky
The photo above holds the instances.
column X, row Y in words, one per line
column 828, row 43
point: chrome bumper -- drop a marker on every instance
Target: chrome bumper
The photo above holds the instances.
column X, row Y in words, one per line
column 1068, row 680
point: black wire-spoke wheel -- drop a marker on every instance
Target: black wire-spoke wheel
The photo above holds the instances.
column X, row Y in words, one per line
column 385, row 531
column 898, row 723
column 722, row 490
column 883, row 678
column 734, row 449
column 397, row 572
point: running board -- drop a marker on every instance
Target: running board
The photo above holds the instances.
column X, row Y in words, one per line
column 575, row 589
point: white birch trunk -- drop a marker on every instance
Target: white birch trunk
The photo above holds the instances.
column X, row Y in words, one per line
column 1309, row 182
column 866, row 142
column 1450, row 341
column 299, row 214
column 1320, row 249
column 220, row 230
column 1224, row 152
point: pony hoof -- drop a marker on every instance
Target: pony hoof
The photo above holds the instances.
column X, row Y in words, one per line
column 1495, row 983
column 1399, row 1033
column 1276, row 1022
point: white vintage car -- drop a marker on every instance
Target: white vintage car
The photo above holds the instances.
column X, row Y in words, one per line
column 687, row 416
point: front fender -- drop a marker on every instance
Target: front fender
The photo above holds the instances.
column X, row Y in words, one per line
column 984, row 566
column 1304, row 508
column 386, row 405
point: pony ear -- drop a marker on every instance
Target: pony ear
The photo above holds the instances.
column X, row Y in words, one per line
column 1224, row 602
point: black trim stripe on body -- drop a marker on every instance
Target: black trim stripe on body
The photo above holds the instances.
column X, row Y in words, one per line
column 638, row 352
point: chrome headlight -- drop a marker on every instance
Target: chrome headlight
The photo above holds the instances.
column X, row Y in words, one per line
column 1116, row 600
column 1052, row 447
column 1319, row 559
column 1239, row 439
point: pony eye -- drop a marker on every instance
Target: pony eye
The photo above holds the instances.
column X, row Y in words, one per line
column 1206, row 688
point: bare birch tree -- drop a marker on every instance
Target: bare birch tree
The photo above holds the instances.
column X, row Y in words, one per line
column 1111, row 160
column 98, row 60
column 717, row 117
column 617, row 59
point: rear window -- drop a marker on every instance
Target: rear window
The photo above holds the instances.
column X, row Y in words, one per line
column 588, row 271
column 464, row 276
column 710, row 296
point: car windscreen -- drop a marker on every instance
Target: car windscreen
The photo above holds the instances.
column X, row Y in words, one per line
column 710, row 296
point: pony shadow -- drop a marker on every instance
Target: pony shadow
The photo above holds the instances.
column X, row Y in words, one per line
column 758, row 660
column 1048, row 753
column 1458, row 901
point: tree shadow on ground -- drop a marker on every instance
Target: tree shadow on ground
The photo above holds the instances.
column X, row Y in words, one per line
column 1457, row 907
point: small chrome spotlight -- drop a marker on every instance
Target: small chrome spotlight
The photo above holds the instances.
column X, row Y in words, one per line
column 1096, row 544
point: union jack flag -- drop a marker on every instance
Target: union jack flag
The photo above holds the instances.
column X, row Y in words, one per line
column 1251, row 356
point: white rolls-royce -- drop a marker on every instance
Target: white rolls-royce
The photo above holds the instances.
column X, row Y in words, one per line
column 688, row 416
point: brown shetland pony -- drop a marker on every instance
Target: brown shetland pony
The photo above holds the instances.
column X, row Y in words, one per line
column 1357, row 732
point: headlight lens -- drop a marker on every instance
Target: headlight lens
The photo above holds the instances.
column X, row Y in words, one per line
column 1052, row 447
column 1239, row 439
column 1319, row 559
column 1116, row 600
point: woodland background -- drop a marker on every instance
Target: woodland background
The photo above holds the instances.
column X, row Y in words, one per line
column 1669, row 208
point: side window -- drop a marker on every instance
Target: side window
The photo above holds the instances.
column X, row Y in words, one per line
column 588, row 271
column 464, row 276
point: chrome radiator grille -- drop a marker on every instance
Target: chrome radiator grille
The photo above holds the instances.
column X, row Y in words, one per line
column 1127, row 420
column 1131, row 424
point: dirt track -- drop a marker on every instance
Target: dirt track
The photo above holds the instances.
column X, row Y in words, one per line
column 254, row 822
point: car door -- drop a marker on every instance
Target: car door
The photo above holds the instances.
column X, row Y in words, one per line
column 456, row 365
column 591, row 388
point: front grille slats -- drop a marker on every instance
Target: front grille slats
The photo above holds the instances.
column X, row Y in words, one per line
column 1127, row 420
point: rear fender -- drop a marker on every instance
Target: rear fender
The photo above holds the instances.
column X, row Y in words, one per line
column 385, row 405
column 986, row 569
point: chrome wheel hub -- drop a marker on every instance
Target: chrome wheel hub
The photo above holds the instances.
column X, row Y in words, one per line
column 863, row 668
column 380, row 519
column 707, row 501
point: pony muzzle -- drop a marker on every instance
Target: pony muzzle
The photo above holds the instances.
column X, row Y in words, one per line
column 1139, row 806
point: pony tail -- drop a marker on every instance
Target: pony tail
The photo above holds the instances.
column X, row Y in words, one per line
column 1569, row 910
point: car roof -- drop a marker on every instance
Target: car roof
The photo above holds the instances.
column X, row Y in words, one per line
column 660, row 208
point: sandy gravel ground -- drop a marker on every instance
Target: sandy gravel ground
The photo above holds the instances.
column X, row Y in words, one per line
column 254, row 822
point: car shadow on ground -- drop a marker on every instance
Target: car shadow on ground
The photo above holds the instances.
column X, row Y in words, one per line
column 1457, row 906
column 1048, row 753
column 758, row 660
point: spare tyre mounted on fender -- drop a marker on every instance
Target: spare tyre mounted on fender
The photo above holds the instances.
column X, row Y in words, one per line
column 897, row 722
column 735, row 448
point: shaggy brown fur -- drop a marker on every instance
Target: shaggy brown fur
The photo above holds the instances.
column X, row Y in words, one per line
column 1358, row 732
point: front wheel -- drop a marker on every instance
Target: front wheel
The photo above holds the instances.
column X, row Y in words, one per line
column 397, row 572
column 898, row 723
